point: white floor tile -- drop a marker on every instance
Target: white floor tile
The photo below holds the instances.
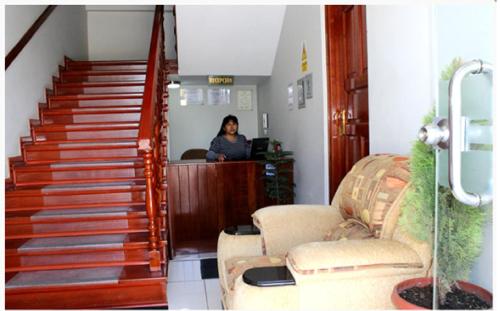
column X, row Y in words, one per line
column 184, row 270
column 186, row 257
column 186, row 295
column 213, row 294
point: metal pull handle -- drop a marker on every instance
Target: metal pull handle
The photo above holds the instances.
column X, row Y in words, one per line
column 450, row 133
column 457, row 133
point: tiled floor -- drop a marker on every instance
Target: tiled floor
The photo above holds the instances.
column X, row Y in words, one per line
column 186, row 289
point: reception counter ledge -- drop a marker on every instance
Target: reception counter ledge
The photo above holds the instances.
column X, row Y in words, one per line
column 205, row 197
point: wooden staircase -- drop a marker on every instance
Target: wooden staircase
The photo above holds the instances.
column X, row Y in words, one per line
column 85, row 215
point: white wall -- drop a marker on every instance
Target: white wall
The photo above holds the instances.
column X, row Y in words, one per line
column 18, row 21
column 301, row 131
column 119, row 32
column 63, row 33
column 399, row 74
column 228, row 39
column 194, row 126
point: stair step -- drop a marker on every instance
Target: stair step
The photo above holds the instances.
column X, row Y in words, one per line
column 67, row 88
column 129, row 286
column 102, row 75
column 76, row 227
column 65, row 277
column 80, row 152
column 76, row 260
column 70, row 101
column 107, row 65
column 28, row 216
column 83, row 131
column 91, row 114
column 78, row 173
column 76, row 243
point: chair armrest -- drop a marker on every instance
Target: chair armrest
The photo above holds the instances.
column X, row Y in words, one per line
column 230, row 246
column 352, row 258
column 285, row 226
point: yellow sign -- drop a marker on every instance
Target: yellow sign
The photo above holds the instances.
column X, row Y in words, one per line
column 304, row 58
column 220, row 80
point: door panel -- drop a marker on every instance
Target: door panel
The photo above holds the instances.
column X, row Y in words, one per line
column 347, row 89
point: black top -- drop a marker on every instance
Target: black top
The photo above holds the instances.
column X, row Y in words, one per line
column 239, row 150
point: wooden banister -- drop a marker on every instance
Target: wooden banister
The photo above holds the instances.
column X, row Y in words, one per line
column 150, row 138
column 28, row 35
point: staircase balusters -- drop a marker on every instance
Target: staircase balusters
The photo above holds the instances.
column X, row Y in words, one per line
column 150, row 136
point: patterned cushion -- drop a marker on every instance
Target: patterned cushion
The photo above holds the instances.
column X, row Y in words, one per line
column 236, row 266
column 372, row 190
column 350, row 229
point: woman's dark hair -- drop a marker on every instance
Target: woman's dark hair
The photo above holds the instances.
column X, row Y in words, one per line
column 225, row 121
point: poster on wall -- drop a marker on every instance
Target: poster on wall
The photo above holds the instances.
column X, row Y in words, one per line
column 244, row 100
column 300, row 94
column 308, row 86
column 191, row 96
column 218, row 96
column 290, row 96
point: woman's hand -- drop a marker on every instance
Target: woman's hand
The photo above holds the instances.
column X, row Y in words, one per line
column 221, row 157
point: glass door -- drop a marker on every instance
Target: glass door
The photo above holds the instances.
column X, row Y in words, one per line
column 463, row 50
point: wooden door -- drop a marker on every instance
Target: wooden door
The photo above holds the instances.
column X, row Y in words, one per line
column 347, row 89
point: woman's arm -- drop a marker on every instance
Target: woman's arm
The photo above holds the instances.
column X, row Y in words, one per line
column 215, row 148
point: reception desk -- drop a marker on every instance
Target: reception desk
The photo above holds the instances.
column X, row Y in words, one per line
column 205, row 197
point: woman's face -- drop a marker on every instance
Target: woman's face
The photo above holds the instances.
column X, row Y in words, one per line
column 231, row 128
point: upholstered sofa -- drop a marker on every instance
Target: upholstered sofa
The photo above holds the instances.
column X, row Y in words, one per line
column 347, row 255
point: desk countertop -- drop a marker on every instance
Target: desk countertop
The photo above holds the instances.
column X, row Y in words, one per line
column 203, row 161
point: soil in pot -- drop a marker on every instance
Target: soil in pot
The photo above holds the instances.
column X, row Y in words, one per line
column 456, row 299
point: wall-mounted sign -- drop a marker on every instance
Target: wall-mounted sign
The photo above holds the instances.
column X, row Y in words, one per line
column 220, row 80
column 304, row 58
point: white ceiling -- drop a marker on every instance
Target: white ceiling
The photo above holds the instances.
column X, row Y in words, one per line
column 228, row 39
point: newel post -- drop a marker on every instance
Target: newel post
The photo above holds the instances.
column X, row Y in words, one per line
column 154, row 244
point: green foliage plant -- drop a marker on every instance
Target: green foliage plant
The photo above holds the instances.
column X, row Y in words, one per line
column 451, row 68
column 459, row 226
column 277, row 172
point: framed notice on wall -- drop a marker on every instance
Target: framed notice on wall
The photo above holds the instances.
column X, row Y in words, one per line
column 191, row 96
column 219, row 96
column 301, row 98
column 244, row 98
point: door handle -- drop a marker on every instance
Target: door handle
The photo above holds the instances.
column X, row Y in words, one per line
column 450, row 133
column 457, row 133
column 344, row 121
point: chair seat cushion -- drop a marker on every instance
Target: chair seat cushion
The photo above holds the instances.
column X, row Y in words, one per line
column 238, row 265
column 351, row 229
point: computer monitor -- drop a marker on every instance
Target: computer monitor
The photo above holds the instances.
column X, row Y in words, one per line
column 259, row 145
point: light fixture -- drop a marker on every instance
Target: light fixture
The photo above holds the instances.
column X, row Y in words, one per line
column 174, row 85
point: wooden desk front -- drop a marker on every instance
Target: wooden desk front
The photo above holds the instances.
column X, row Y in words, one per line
column 205, row 197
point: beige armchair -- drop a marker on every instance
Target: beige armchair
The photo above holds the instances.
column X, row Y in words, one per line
column 348, row 255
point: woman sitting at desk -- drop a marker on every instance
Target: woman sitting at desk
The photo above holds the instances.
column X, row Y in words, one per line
column 229, row 145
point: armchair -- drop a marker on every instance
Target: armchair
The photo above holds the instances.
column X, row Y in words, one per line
column 346, row 255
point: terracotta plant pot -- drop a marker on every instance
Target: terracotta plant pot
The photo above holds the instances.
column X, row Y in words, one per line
column 402, row 304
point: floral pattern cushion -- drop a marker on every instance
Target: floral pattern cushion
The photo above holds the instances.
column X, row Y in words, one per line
column 238, row 265
column 350, row 229
column 373, row 189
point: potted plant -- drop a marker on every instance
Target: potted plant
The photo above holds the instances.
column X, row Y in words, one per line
column 277, row 174
column 459, row 236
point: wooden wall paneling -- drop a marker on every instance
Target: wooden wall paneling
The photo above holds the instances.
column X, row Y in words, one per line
column 213, row 200
column 182, row 217
column 221, row 208
column 174, row 204
column 252, row 187
column 194, row 209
